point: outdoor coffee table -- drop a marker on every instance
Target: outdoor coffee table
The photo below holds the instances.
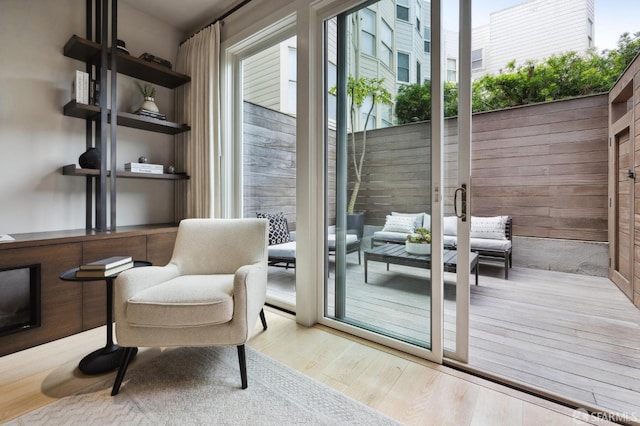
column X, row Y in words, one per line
column 397, row 254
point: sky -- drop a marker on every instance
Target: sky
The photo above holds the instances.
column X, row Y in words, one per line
column 612, row 17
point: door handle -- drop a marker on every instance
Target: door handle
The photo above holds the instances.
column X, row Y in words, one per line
column 463, row 205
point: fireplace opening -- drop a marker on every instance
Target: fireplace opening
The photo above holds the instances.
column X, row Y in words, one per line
column 19, row 298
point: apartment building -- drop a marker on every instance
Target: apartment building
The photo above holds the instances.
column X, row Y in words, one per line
column 532, row 30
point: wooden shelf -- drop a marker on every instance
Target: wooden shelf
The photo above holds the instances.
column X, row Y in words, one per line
column 74, row 109
column 72, row 170
column 89, row 51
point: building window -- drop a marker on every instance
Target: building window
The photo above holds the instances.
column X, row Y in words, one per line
column 368, row 39
column 402, row 10
column 418, row 15
column 427, row 39
column 364, row 110
column 387, row 120
column 418, row 72
column 476, row 59
column 386, row 36
column 293, row 78
column 590, row 32
column 452, row 70
column 403, row 67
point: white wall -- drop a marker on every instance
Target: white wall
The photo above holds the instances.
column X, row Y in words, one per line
column 36, row 139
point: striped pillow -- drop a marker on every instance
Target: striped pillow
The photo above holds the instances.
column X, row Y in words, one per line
column 404, row 224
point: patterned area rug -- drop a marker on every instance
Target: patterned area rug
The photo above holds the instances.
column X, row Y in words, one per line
column 197, row 386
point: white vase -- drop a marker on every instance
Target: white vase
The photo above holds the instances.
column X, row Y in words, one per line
column 149, row 104
column 418, row 248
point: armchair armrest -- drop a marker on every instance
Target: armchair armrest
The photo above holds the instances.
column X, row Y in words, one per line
column 249, row 292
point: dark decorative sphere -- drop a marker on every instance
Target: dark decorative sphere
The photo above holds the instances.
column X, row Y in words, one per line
column 90, row 159
column 143, row 160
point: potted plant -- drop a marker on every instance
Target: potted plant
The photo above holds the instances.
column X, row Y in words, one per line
column 419, row 243
column 148, row 92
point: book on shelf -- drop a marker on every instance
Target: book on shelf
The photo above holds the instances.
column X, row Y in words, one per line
column 80, row 87
column 151, row 114
column 94, row 92
column 109, row 262
column 144, row 168
column 99, row 273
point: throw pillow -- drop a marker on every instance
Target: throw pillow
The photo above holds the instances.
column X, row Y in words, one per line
column 404, row 224
column 417, row 217
column 492, row 228
column 450, row 225
column 278, row 227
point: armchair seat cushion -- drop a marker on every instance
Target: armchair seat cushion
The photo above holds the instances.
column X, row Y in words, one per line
column 185, row 301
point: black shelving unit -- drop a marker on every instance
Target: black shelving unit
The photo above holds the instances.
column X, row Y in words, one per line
column 88, row 51
column 101, row 123
column 92, row 112
column 73, row 170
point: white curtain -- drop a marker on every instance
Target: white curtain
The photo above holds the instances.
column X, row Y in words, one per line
column 198, row 104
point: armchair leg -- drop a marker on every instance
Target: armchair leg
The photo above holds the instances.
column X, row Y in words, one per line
column 126, row 358
column 243, row 365
column 263, row 319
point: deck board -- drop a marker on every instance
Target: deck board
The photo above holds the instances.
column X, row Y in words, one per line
column 573, row 335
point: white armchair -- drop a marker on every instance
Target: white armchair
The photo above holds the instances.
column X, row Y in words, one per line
column 211, row 292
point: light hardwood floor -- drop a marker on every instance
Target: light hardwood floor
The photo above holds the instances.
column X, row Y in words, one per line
column 571, row 336
column 409, row 389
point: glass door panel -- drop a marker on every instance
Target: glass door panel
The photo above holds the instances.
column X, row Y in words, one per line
column 269, row 157
column 380, row 175
column 456, row 184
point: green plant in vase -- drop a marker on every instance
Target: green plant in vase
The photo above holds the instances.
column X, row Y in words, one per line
column 148, row 93
column 419, row 243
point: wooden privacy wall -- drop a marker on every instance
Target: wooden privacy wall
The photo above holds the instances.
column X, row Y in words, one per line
column 624, row 185
column 396, row 172
column 269, row 162
column 546, row 166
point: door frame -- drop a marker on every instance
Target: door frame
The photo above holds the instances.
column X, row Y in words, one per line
column 624, row 121
column 463, row 296
column 436, row 352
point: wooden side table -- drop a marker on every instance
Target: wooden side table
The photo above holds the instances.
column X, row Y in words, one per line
column 109, row 357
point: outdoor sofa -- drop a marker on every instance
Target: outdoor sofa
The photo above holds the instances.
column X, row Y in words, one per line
column 282, row 242
column 490, row 237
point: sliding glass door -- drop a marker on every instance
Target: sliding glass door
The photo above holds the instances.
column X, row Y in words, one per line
column 384, row 149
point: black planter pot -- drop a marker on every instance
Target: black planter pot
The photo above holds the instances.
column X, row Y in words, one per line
column 90, row 159
column 355, row 222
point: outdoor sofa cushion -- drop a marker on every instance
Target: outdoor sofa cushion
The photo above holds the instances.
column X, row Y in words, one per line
column 331, row 240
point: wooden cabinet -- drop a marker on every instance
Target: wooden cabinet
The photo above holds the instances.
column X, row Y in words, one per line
column 71, row 307
column 99, row 58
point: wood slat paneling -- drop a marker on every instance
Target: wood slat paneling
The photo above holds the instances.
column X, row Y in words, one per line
column 269, row 162
column 545, row 165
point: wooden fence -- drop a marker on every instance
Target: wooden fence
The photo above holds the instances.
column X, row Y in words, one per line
column 545, row 165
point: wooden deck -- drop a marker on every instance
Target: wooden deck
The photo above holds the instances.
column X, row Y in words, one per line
column 572, row 335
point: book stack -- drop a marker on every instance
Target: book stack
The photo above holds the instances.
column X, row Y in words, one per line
column 156, row 60
column 157, row 169
column 105, row 267
column 151, row 114
column 80, row 87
